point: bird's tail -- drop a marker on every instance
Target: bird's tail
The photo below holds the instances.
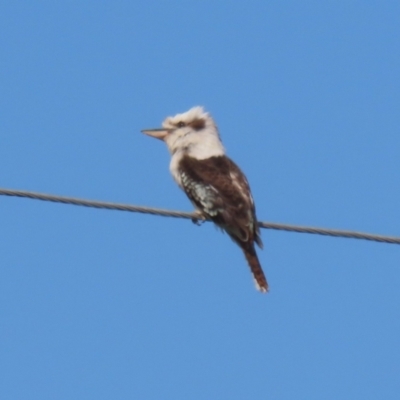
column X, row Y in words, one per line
column 255, row 266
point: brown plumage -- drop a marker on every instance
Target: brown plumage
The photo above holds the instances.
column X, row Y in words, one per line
column 219, row 190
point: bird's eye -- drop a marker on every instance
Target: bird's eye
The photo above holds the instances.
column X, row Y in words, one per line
column 180, row 124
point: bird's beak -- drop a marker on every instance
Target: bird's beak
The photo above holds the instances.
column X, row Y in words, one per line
column 156, row 133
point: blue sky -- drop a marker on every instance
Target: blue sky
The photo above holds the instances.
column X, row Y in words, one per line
column 104, row 304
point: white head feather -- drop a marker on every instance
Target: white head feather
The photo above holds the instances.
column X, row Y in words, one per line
column 193, row 133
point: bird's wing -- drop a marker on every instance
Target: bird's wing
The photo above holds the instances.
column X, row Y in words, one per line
column 219, row 188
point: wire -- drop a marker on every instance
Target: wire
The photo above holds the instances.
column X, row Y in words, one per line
column 194, row 216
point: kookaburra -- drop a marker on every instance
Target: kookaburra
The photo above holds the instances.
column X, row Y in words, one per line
column 213, row 182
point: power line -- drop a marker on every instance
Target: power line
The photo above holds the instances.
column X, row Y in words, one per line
column 193, row 216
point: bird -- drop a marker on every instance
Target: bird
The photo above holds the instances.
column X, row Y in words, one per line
column 214, row 184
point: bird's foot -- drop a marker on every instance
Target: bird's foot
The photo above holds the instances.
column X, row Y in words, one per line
column 198, row 218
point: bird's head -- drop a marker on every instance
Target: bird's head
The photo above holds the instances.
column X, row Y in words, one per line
column 193, row 132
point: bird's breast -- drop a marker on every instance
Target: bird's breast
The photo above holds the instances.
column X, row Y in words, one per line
column 174, row 167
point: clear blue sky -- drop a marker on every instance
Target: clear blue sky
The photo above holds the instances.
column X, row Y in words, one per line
column 109, row 305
